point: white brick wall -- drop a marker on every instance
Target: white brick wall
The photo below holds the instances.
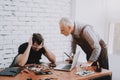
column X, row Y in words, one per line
column 20, row 18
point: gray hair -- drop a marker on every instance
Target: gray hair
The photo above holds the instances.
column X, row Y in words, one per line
column 66, row 21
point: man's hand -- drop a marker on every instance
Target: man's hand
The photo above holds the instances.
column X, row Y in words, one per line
column 70, row 59
column 89, row 63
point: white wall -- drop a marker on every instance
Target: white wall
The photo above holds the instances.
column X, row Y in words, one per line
column 113, row 10
column 93, row 13
column 20, row 18
column 113, row 18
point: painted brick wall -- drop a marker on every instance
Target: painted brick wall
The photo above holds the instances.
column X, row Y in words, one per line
column 20, row 18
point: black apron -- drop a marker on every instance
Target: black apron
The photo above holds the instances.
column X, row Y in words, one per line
column 103, row 57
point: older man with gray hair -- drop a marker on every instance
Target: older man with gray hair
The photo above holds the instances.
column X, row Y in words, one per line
column 89, row 41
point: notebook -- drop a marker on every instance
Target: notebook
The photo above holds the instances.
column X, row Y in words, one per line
column 12, row 71
column 68, row 67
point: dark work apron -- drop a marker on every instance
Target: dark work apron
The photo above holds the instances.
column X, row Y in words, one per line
column 103, row 57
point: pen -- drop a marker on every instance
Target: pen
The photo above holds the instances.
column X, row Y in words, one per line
column 67, row 55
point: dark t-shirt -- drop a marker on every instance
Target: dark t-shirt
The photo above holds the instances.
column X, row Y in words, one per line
column 34, row 56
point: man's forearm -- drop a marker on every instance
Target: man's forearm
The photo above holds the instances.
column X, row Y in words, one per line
column 50, row 55
column 95, row 54
column 22, row 59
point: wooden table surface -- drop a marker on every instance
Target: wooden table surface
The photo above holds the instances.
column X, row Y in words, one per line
column 57, row 75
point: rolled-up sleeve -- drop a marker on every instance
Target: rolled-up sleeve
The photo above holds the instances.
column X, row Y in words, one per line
column 93, row 41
